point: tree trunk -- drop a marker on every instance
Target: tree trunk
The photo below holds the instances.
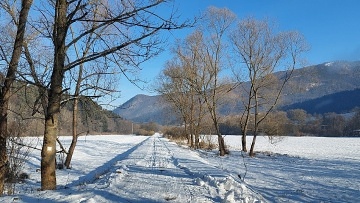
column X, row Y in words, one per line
column 75, row 117
column 48, row 152
column 5, row 91
column 243, row 137
column 197, row 140
column 70, row 153
column 243, row 142
column 252, row 153
column 221, row 142
column 256, row 123
column 222, row 148
column 4, row 102
column 191, row 140
column 246, row 122
column 74, row 134
column 198, row 122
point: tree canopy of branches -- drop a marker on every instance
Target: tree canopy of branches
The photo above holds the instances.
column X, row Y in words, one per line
column 101, row 34
column 193, row 80
column 258, row 51
column 179, row 83
column 262, row 51
column 123, row 33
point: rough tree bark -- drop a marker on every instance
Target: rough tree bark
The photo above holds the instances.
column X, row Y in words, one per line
column 6, row 88
column 48, row 152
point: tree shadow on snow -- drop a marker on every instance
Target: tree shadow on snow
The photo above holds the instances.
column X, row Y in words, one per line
column 282, row 178
column 106, row 167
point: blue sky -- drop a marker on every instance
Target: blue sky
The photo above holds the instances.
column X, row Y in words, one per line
column 331, row 27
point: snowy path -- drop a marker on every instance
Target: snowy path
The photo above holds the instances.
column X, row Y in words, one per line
column 159, row 171
column 139, row 169
column 149, row 169
column 150, row 174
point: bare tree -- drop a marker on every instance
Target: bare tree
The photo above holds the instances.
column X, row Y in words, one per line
column 213, row 54
column 8, row 81
column 131, row 28
column 298, row 117
column 172, row 85
column 201, row 59
column 262, row 51
column 179, row 82
column 87, row 82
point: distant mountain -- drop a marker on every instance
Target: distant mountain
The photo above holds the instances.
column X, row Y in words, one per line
column 308, row 83
column 320, row 80
column 340, row 102
column 143, row 108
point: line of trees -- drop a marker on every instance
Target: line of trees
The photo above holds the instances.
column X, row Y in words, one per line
column 72, row 48
column 297, row 122
column 194, row 81
column 191, row 81
column 294, row 122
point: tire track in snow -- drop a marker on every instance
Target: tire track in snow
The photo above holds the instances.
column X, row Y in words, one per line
column 174, row 162
column 150, row 170
column 107, row 167
column 192, row 196
column 156, row 170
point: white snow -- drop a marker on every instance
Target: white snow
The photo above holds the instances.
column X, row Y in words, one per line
column 123, row 168
column 301, row 169
column 329, row 63
column 311, row 85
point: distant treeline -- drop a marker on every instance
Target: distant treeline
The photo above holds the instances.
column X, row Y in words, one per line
column 26, row 115
column 298, row 122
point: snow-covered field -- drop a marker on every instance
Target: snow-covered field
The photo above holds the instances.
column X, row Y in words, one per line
column 151, row 169
column 301, row 169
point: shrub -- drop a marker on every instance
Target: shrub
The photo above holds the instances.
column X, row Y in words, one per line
column 144, row 132
column 175, row 133
column 18, row 152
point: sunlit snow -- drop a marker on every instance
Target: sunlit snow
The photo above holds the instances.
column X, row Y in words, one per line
column 139, row 169
column 329, row 63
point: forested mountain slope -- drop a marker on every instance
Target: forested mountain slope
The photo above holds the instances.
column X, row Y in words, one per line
column 308, row 83
column 26, row 116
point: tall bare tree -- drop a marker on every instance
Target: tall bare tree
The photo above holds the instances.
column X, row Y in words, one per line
column 202, row 58
column 8, row 81
column 263, row 51
column 131, row 26
column 86, row 80
column 80, row 80
column 213, row 52
column 172, row 85
column 179, row 83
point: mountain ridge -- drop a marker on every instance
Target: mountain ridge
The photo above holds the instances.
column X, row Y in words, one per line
column 307, row 83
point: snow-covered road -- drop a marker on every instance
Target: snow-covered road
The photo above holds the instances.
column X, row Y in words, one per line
column 151, row 174
column 140, row 169
column 149, row 169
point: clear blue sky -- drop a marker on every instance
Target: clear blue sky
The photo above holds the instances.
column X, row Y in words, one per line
column 331, row 27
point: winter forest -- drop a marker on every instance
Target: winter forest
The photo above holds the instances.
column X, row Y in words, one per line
column 231, row 136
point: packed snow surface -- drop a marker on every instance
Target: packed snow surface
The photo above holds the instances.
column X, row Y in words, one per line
column 125, row 168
